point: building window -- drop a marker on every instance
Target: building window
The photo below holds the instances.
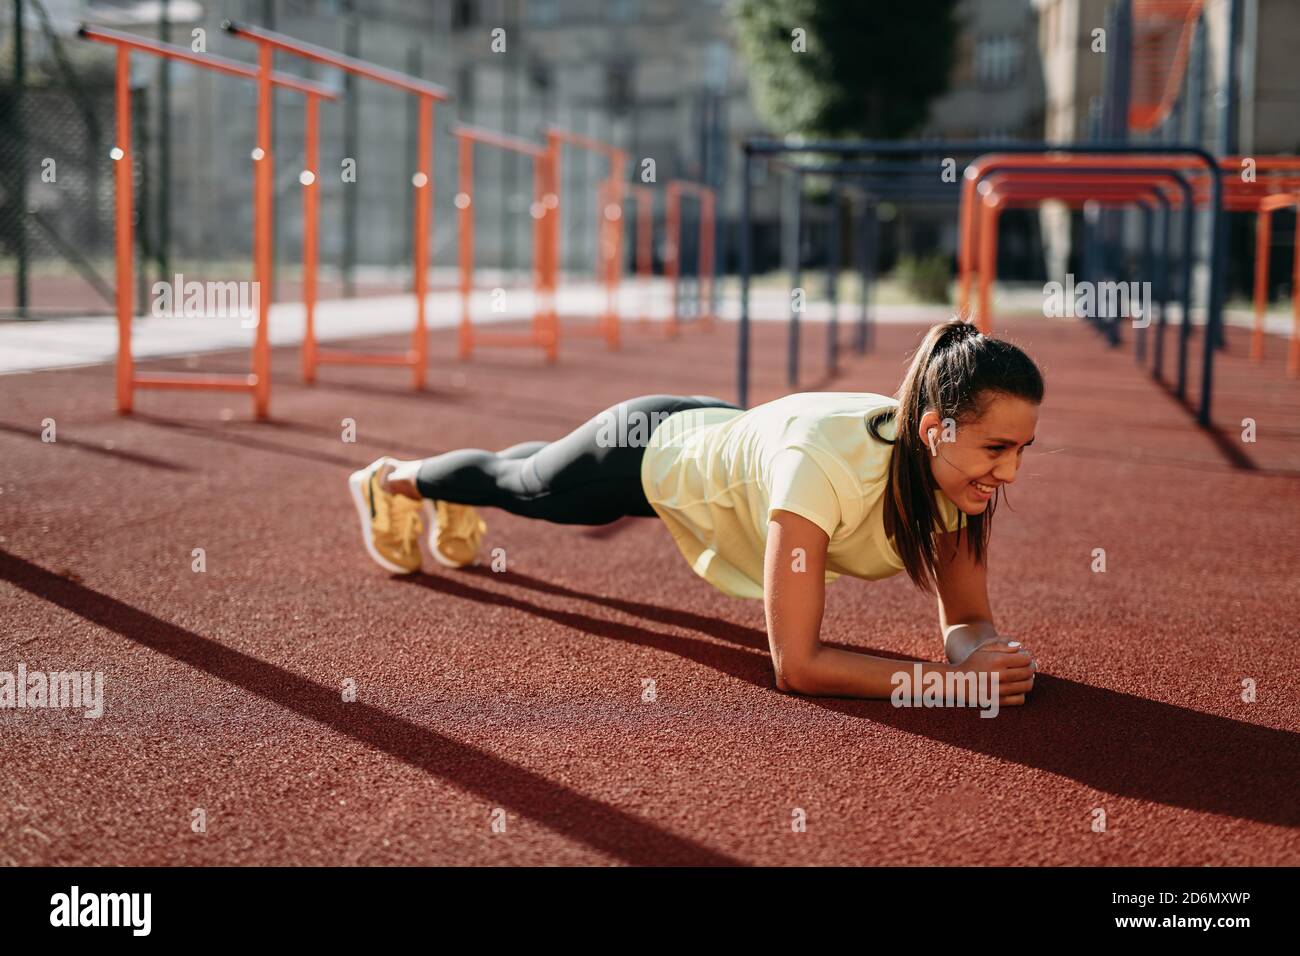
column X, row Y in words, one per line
column 464, row 14
column 618, row 88
column 998, row 60
column 622, row 10
column 539, row 76
column 717, row 65
column 543, row 11
column 465, row 88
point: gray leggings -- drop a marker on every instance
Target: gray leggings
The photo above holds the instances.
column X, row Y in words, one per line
column 582, row 478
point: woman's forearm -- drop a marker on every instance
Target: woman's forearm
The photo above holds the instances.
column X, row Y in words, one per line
column 832, row 672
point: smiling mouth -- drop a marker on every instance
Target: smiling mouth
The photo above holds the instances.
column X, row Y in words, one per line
column 987, row 489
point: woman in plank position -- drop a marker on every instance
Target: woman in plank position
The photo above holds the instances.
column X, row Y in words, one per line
column 773, row 502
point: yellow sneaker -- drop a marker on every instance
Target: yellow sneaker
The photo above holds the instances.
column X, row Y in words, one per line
column 455, row 537
column 390, row 524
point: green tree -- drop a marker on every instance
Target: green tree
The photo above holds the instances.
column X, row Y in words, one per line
column 868, row 69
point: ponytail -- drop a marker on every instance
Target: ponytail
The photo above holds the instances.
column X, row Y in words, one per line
column 955, row 372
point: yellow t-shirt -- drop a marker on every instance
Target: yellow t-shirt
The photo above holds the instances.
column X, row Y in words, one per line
column 715, row 475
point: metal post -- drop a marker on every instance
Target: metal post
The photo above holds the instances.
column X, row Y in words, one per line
column 1089, row 251
column 796, row 282
column 351, row 108
column 719, row 184
column 310, row 206
column 20, row 153
column 1227, row 141
column 510, row 162
column 1208, row 161
column 1228, row 105
column 263, row 232
column 860, row 336
column 465, row 243
column 413, row 68
column 1145, row 276
column 673, row 255
column 1185, row 324
column 423, row 183
column 273, row 240
column 143, row 217
column 1214, row 322
column 742, row 347
column 1196, row 85
column 123, row 227
column 1166, row 230
column 1121, row 58
column 832, row 284
column 873, row 253
column 164, row 148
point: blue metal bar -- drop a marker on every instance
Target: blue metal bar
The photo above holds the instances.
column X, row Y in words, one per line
column 832, row 284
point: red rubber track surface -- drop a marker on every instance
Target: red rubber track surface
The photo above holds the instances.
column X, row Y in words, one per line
column 522, row 692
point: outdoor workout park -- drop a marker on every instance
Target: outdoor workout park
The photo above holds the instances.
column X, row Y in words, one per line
column 359, row 261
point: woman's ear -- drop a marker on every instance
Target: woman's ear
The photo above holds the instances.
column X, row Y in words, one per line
column 929, row 431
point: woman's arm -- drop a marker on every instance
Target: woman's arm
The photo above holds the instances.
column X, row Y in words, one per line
column 969, row 637
column 794, row 594
column 965, row 617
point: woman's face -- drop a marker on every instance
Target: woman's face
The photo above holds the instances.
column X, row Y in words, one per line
column 971, row 460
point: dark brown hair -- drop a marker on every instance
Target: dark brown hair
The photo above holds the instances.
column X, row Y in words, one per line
column 956, row 371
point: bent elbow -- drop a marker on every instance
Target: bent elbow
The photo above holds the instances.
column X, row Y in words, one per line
column 795, row 677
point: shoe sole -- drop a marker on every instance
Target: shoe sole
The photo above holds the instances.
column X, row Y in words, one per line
column 432, row 518
column 357, row 486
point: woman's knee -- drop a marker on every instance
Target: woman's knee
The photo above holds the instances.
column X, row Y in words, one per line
column 469, row 476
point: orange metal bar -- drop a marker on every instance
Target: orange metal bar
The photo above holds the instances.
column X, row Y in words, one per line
column 309, row 51
column 1157, row 71
column 209, row 61
column 490, row 137
column 969, row 210
column 996, row 199
column 310, row 195
column 465, row 242
column 609, row 197
column 543, row 331
column 1230, row 166
column 219, row 383
column 546, row 256
column 554, row 261
column 557, row 134
column 1275, row 201
column 126, row 380
column 988, row 252
column 423, row 183
column 268, row 42
column 1263, row 237
column 125, row 238
column 263, row 251
column 543, row 318
column 1263, row 229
